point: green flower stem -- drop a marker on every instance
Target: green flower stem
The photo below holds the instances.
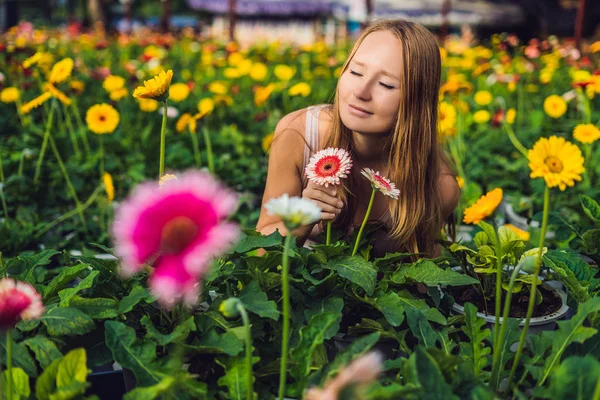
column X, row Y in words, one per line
column 520, row 104
column 21, row 118
column 499, row 256
column 9, row 386
column 38, row 166
column 586, row 107
column 286, row 313
column 82, row 129
column 163, row 132
column 532, row 292
column 514, row 140
column 69, row 184
column 597, row 391
column 587, row 176
column 72, row 136
column 101, row 142
column 209, row 153
column 362, row 226
column 328, row 239
column 248, row 340
column 1, row 169
column 4, row 207
column 499, row 344
column 196, row 148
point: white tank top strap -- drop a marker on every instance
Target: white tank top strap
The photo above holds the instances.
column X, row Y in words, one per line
column 311, row 136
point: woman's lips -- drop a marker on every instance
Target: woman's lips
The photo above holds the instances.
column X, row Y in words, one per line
column 359, row 112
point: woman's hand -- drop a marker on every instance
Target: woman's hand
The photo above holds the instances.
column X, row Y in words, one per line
column 324, row 197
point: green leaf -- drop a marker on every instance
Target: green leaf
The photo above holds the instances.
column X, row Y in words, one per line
column 430, row 274
column 235, row 376
column 330, row 305
column 511, row 335
column 44, row 349
column 45, row 385
column 389, row 259
column 74, row 390
column 576, row 378
column 357, row 270
column 213, row 343
column 393, row 391
column 475, row 349
column 421, row 328
column 28, row 264
column 181, row 332
column 21, row 356
column 311, row 336
column 509, row 240
column 151, row 392
column 254, row 240
column 72, row 368
column 345, row 357
column 86, row 283
column 391, row 307
column 67, row 321
column 130, row 353
column 256, row 301
column 96, row 308
column 20, row 382
column 481, row 239
column 28, row 325
column 590, row 207
column 65, row 277
column 591, row 241
column 567, row 269
column 568, row 332
column 430, row 376
column 490, row 231
column 137, row 294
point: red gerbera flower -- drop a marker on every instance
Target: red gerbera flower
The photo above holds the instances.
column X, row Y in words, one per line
column 328, row 166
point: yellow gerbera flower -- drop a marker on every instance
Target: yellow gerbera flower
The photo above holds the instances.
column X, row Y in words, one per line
column 483, row 97
column 206, row 106
column 217, row 88
column 300, row 89
column 481, row 116
column 102, row 118
column 258, row 72
column 31, row 61
column 35, row 103
column 555, row 106
column 183, row 122
column 108, row 186
column 179, row 92
column 446, row 118
column 148, row 105
column 113, row 82
column 77, row 86
column 556, row 160
column 118, row 94
column 156, row 88
column 231, row 73
column 594, row 47
column 484, row 207
column 10, row 95
column 586, row 133
column 523, row 235
column 61, row 71
column 284, row 72
column 510, row 116
column 262, row 94
column 63, row 98
column 266, row 142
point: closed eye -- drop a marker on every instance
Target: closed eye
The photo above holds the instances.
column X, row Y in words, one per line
column 355, row 73
column 386, row 86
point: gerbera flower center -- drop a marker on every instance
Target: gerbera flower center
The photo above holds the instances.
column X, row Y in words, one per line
column 177, row 234
column 328, row 166
column 12, row 304
column 554, row 164
column 102, row 118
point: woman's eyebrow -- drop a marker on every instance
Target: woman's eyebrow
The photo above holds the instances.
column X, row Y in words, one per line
column 383, row 72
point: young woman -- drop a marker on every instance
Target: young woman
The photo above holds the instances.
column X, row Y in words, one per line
column 385, row 114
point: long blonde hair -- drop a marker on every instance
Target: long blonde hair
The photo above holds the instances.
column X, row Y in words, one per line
column 415, row 155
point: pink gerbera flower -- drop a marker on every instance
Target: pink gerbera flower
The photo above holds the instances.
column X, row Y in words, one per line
column 381, row 183
column 177, row 228
column 18, row 301
column 328, row 166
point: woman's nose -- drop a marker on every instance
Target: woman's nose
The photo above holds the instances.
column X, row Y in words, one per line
column 362, row 92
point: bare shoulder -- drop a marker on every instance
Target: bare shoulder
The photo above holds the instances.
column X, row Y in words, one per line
column 449, row 192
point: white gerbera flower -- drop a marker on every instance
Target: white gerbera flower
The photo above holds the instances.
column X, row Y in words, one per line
column 328, row 166
column 294, row 211
column 381, row 183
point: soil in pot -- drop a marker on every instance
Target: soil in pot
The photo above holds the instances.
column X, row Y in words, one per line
column 518, row 305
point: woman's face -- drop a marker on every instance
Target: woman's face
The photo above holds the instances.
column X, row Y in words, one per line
column 369, row 94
